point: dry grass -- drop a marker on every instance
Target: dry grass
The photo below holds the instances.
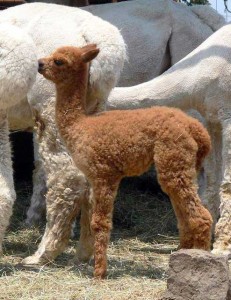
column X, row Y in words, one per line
column 141, row 242
column 136, row 271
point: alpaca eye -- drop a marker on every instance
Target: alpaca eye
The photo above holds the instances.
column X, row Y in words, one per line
column 58, row 62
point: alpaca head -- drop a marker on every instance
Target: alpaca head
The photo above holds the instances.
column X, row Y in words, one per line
column 67, row 63
column 18, row 65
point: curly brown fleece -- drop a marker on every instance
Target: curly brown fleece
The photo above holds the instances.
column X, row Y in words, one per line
column 111, row 145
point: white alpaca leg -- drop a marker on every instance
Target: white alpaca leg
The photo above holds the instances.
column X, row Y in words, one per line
column 222, row 243
column 209, row 177
column 37, row 207
column 66, row 189
column 7, row 192
column 38, row 204
column 85, row 248
column 64, row 198
column 209, row 190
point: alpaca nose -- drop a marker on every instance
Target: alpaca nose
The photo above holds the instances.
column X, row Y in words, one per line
column 40, row 65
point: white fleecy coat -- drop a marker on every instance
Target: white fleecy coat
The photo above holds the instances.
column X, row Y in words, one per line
column 18, row 70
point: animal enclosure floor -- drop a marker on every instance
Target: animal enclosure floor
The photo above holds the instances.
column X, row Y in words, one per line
column 137, row 270
column 143, row 237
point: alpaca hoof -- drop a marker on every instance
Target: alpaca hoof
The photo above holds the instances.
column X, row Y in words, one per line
column 32, row 260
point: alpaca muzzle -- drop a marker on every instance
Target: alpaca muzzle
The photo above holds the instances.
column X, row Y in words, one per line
column 41, row 66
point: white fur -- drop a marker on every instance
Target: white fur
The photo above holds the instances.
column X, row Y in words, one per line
column 152, row 31
column 18, row 69
column 158, row 33
column 18, row 65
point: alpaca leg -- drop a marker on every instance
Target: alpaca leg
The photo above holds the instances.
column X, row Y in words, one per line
column 7, row 192
column 85, row 249
column 63, row 205
column 195, row 221
column 176, row 174
column 223, row 228
column 101, row 224
column 66, row 188
column 38, row 204
column 185, row 234
column 209, row 193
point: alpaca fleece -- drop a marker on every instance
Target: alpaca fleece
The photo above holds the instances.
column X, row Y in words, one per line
column 18, row 70
column 109, row 146
column 160, row 26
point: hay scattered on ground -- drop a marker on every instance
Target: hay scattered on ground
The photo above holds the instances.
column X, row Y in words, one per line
column 144, row 235
column 137, row 270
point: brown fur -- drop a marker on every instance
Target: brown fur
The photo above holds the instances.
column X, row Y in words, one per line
column 111, row 145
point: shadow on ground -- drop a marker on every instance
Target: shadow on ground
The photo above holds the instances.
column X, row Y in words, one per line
column 144, row 234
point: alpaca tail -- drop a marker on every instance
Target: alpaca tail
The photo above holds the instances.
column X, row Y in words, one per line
column 202, row 138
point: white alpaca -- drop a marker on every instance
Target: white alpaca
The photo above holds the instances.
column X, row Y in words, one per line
column 158, row 33
column 18, row 69
column 51, row 26
column 200, row 81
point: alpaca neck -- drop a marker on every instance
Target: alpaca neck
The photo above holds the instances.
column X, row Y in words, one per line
column 70, row 101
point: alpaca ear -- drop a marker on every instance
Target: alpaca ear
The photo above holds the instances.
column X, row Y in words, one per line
column 89, row 53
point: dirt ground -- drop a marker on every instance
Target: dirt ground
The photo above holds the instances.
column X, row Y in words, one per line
column 144, row 235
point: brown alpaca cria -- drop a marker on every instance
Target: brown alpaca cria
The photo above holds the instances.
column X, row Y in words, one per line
column 111, row 145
